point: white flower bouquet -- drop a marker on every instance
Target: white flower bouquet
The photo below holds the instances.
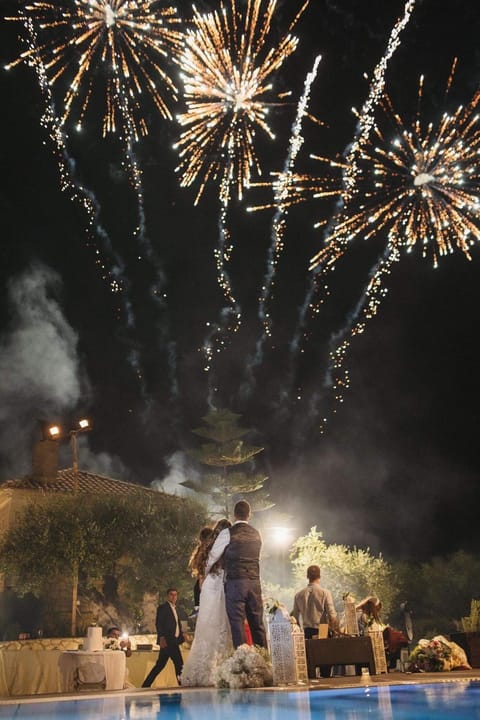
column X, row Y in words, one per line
column 249, row 666
column 111, row 644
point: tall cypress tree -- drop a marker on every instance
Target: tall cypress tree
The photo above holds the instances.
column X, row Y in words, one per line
column 225, row 451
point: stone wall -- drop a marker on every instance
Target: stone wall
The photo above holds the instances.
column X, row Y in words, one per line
column 69, row 643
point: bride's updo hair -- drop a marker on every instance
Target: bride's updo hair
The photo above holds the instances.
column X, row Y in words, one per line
column 222, row 524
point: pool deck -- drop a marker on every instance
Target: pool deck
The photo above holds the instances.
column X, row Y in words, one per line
column 333, row 683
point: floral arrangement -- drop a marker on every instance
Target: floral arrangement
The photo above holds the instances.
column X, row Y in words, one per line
column 249, row 666
column 111, row 644
column 437, row 655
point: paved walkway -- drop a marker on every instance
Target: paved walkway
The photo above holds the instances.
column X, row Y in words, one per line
column 392, row 678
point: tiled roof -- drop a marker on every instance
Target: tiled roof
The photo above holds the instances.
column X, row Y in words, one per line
column 87, row 483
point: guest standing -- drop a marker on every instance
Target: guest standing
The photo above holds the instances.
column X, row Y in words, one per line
column 314, row 605
column 169, row 637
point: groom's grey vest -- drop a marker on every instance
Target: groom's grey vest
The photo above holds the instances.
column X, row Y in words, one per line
column 243, row 552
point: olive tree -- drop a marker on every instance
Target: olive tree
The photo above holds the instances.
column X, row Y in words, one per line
column 345, row 570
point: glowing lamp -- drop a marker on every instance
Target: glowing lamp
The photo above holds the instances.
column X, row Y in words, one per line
column 54, row 432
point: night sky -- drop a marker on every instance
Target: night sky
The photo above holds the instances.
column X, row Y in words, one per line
column 397, row 467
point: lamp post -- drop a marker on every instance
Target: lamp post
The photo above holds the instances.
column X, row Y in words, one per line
column 55, row 433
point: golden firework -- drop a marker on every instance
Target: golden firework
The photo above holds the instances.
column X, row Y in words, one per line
column 227, row 66
column 420, row 185
column 129, row 42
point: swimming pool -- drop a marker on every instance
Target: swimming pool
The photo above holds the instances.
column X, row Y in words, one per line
column 442, row 701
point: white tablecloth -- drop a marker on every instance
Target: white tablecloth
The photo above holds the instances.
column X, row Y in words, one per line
column 29, row 672
column 81, row 669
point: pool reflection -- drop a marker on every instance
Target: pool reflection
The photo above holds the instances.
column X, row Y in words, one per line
column 451, row 700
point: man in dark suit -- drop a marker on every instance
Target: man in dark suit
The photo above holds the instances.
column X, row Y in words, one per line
column 169, row 637
column 240, row 546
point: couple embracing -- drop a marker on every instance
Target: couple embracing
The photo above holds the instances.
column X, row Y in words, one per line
column 230, row 594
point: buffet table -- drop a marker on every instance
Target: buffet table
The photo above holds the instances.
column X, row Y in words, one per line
column 36, row 672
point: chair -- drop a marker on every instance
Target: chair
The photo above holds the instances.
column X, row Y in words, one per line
column 89, row 676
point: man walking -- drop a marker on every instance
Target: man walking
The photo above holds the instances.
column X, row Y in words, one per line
column 169, row 637
column 240, row 546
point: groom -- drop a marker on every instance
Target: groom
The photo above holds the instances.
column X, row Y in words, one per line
column 240, row 546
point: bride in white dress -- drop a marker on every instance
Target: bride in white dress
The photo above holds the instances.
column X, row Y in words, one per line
column 212, row 641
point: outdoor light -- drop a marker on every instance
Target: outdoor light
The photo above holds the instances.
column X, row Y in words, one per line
column 54, row 432
column 281, row 535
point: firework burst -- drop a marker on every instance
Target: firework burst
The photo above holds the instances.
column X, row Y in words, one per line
column 130, row 41
column 421, row 186
column 226, row 68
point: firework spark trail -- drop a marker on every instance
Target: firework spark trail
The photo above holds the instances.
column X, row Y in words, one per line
column 231, row 314
column 337, row 375
column 282, row 189
column 367, row 115
column 128, row 39
column 157, row 290
column 226, row 66
column 336, row 243
column 366, row 122
column 284, row 184
column 85, row 198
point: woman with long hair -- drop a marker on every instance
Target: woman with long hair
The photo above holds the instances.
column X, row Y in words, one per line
column 212, row 640
column 197, row 562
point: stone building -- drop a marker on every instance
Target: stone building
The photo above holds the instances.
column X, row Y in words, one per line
column 47, row 480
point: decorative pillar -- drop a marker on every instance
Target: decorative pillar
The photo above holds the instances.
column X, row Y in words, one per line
column 287, row 648
column 351, row 619
column 378, row 648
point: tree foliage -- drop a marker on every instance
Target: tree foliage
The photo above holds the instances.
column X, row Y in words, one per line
column 226, row 449
column 345, row 569
column 440, row 591
column 142, row 542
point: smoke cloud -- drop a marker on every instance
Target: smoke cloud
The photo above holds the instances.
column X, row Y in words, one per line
column 40, row 374
column 179, row 471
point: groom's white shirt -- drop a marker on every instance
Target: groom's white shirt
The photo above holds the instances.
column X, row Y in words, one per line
column 218, row 547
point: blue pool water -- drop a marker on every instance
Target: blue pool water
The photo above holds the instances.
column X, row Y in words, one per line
column 442, row 701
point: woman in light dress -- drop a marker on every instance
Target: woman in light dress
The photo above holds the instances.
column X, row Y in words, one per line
column 212, row 641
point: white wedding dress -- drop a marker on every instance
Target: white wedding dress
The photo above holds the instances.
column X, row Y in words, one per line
column 212, row 641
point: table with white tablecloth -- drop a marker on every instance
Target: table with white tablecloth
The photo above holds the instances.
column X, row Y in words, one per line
column 29, row 672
